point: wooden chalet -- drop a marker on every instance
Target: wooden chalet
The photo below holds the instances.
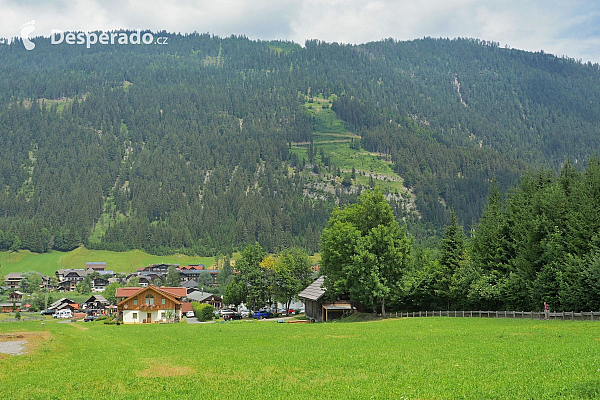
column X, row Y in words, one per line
column 149, row 304
column 13, row 280
column 15, row 296
column 66, row 286
column 99, row 284
column 95, row 302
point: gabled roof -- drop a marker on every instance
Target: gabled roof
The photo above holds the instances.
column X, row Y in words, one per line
column 13, row 275
column 96, row 298
column 199, row 296
column 60, row 301
column 78, row 272
column 185, row 307
column 314, row 291
column 174, row 293
column 189, row 284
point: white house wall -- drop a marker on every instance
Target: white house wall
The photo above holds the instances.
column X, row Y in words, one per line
column 142, row 315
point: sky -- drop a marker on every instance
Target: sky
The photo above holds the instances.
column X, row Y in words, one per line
column 570, row 28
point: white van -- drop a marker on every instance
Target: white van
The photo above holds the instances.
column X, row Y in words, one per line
column 63, row 314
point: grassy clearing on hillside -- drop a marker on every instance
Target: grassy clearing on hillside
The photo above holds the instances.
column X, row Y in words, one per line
column 428, row 358
column 331, row 136
column 325, row 120
column 129, row 261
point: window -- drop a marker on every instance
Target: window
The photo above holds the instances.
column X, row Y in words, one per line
column 164, row 301
column 150, row 299
column 135, row 302
column 134, row 315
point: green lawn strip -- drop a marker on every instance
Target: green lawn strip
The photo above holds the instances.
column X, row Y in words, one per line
column 437, row 358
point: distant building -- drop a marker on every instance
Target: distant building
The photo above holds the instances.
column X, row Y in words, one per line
column 192, row 272
column 13, row 280
column 96, row 266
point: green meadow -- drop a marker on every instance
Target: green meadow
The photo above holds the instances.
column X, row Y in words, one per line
column 129, row 261
column 414, row 358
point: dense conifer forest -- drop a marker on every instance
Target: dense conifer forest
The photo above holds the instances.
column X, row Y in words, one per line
column 188, row 146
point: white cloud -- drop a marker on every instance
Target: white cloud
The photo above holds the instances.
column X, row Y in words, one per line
column 560, row 27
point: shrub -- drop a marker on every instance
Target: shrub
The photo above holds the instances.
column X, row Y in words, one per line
column 100, row 318
column 204, row 312
column 110, row 321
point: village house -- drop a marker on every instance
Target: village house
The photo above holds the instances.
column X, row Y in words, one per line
column 13, row 279
column 191, row 286
column 96, row 302
column 74, row 275
column 15, row 296
column 163, row 268
column 10, row 307
column 192, row 272
column 99, row 284
column 207, row 298
column 66, row 286
column 150, row 304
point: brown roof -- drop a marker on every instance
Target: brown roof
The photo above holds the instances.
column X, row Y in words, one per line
column 185, row 307
column 314, row 291
column 172, row 291
column 167, row 292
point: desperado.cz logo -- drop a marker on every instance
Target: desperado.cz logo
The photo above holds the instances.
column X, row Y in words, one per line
column 91, row 38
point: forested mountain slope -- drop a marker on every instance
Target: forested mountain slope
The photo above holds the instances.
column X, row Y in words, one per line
column 194, row 145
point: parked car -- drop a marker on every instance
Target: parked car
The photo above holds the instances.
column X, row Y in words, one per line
column 232, row 317
column 63, row 314
column 260, row 314
column 189, row 314
column 47, row 312
column 245, row 313
column 89, row 318
column 225, row 312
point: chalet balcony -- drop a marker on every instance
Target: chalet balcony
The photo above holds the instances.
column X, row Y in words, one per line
column 149, row 307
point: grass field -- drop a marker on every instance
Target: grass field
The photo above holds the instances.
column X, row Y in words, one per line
column 427, row 358
column 129, row 261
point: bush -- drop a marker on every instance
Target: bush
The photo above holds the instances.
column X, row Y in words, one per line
column 101, row 318
column 110, row 321
column 204, row 312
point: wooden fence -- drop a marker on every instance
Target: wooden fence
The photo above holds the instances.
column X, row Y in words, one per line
column 22, row 319
column 566, row 315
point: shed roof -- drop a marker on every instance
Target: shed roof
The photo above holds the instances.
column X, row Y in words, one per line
column 334, row 307
column 314, row 291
